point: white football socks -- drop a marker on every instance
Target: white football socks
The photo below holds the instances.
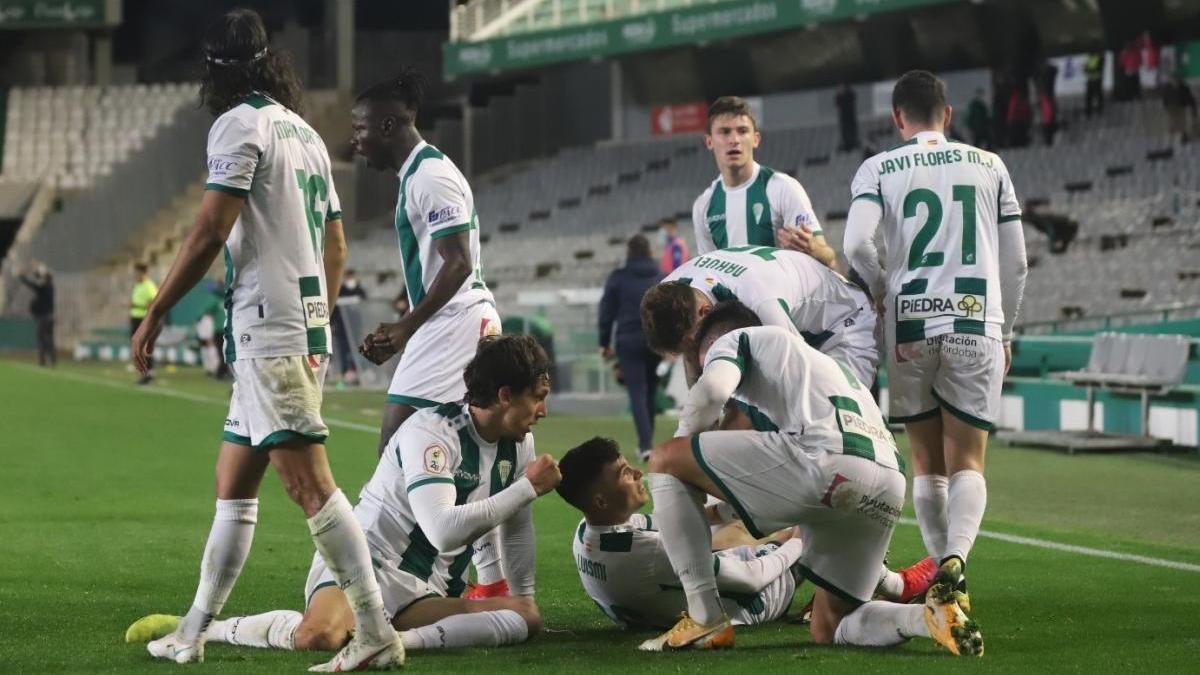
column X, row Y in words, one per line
column 341, row 542
column 965, row 505
column 930, row 502
column 487, row 559
column 224, row 554
column 881, row 624
column 275, row 630
column 891, row 584
column 478, row 629
column 679, row 512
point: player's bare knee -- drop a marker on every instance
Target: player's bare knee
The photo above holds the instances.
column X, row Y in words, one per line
column 319, row 636
column 665, row 458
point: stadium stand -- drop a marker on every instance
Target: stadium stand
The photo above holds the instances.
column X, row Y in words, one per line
column 480, row 19
column 564, row 220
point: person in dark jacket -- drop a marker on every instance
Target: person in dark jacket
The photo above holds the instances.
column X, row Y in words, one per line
column 620, row 316
column 41, row 283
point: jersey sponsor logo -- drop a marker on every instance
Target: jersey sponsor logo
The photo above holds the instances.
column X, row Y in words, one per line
column 854, row 423
column 504, row 466
column 715, row 218
column 231, row 423
column 436, row 459
column 923, row 307
column 804, row 220
column 446, row 214
column 220, row 166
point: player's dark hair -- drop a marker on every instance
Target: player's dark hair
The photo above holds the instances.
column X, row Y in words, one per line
column 514, row 361
column 141, row 267
column 668, row 314
column 638, row 247
column 581, row 468
column 725, row 316
column 238, row 63
column 920, row 95
column 730, row 105
column 407, row 87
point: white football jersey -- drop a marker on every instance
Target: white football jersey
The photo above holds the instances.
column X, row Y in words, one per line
column 784, row 288
column 435, row 201
column 750, row 213
column 801, row 391
column 942, row 202
column 435, row 445
column 275, row 299
column 626, row 572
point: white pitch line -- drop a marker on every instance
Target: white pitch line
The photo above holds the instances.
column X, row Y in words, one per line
column 1081, row 550
column 171, row 393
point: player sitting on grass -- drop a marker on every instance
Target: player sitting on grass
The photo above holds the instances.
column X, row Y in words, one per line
column 831, row 468
column 448, row 475
column 625, row 570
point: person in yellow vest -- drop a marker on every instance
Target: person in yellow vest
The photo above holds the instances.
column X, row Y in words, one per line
column 144, row 291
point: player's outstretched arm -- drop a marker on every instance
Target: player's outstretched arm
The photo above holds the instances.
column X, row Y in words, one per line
column 751, row 576
column 218, row 212
column 707, row 397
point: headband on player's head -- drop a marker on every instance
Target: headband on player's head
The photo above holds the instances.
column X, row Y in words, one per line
column 235, row 62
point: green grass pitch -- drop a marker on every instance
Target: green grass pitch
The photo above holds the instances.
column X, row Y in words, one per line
column 106, row 501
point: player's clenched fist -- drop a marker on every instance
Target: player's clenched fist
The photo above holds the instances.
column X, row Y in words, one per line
column 543, row 474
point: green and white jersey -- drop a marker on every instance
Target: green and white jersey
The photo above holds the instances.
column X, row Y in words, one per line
column 435, row 201
column 788, row 289
column 625, row 570
column 435, row 445
column 751, row 212
column 275, row 300
column 942, row 202
column 802, row 392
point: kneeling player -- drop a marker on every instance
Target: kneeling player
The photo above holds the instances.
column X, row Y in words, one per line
column 831, row 468
column 448, row 475
column 625, row 570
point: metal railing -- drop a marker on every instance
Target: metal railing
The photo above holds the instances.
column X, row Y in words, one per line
column 484, row 19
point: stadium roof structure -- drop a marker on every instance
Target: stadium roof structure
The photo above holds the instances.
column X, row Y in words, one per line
column 490, row 36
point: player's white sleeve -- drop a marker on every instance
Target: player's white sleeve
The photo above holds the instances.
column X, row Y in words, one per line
column 518, row 546
column 428, row 478
column 707, row 397
column 859, row 243
column 234, row 147
column 1011, row 243
column 794, row 205
column 1013, row 270
column 704, row 240
column 438, row 193
column 751, row 576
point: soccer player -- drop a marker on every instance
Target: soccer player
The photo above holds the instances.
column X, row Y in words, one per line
column 449, row 474
column 954, row 279
column 625, row 570
column 451, row 306
column 749, row 203
column 832, row 468
column 271, row 205
column 784, row 288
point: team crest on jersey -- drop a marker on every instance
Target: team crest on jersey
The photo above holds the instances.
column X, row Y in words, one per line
column 504, row 466
column 757, row 209
column 436, row 459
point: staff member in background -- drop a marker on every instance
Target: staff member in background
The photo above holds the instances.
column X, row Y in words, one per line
column 675, row 249
column 144, row 292
column 620, row 307
column 346, row 322
column 39, row 281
